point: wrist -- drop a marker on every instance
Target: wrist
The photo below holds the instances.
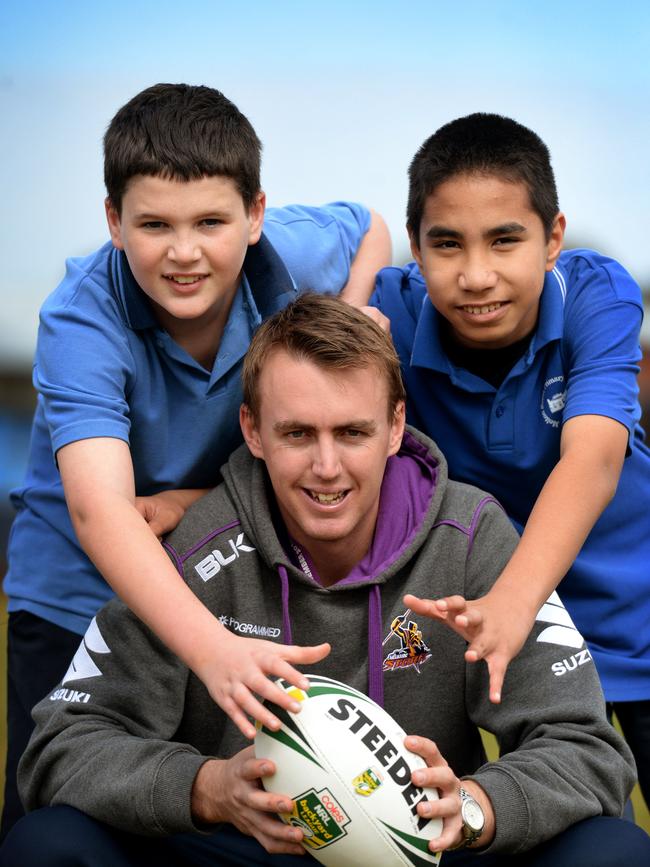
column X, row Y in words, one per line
column 205, row 803
column 489, row 826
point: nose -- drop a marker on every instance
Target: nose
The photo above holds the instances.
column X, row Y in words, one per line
column 326, row 463
column 184, row 248
column 476, row 274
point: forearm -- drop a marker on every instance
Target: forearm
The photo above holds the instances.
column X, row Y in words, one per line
column 374, row 253
column 126, row 552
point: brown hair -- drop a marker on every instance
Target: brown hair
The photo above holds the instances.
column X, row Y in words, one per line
column 181, row 132
column 325, row 330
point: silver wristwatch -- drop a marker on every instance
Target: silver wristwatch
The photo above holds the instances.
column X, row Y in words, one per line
column 473, row 819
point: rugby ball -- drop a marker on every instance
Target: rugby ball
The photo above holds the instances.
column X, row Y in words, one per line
column 343, row 762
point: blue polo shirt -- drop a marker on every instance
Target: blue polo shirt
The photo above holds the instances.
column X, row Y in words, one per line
column 104, row 368
column 582, row 359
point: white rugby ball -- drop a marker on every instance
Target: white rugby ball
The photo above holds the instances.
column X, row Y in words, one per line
column 343, row 762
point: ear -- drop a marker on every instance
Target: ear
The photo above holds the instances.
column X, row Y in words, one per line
column 397, row 428
column 554, row 245
column 250, row 432
column 415, row 249
column 256, row 218
column 114, row 224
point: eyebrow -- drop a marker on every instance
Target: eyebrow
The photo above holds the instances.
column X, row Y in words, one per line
column 513, row 228
column 216, row 213
column 367, row 425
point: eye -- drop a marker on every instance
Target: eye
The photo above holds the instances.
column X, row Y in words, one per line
column 295, row 434
column 447, row 244
column 506, row 241
column 354, row 433
column 154, row 224
column 210, row 222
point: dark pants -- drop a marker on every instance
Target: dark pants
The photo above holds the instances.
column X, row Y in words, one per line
column 634, row 717
column 38, row 655
column 64, row 837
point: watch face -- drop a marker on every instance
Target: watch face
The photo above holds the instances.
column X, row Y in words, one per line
column 472, row 814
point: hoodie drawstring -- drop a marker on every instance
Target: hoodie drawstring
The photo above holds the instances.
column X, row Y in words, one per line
column 286, row 621
column 375, row 647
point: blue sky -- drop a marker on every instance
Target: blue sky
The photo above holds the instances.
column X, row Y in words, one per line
column 342, row 94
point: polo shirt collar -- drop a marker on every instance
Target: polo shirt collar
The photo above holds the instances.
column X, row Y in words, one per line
column 135, row 305
column 550, row 325
column 427, row 346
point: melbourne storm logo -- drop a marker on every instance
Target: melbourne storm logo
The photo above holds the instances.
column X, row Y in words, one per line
column 412, row 652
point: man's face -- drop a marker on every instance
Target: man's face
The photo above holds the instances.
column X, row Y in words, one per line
column 185, row 242
column 325, row 437
column 484, row 255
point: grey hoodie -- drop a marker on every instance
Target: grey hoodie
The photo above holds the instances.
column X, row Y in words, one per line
column 124, row 735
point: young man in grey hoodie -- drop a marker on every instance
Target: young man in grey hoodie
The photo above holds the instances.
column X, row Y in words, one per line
column 330, row 514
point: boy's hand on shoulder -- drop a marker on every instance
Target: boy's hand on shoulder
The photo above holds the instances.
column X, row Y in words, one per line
column 493, row 631
column 377, row 317
column 237, row 676
column 163, row 511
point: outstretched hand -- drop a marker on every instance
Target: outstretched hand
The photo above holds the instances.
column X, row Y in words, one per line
column 238, row 671
column 493, row 630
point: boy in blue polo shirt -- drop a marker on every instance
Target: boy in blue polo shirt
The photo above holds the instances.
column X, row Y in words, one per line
column 521, row 361
column 138, row 373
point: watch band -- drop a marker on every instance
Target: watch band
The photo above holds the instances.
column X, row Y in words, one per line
column 473, row 820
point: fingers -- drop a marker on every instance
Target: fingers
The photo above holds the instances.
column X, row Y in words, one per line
column 256, row 815
column 240, row 719
column 304, row 655
column 497, row 667
column 438, row 775
column 377, row 317
column 428, row 607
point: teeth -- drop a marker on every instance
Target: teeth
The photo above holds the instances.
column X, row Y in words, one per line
column 486, row 308
column 185, row 280
column 327, row 499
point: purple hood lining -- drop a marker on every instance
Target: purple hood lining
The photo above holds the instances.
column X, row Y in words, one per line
column 409, row 485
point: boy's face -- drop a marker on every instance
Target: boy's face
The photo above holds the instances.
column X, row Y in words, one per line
column 185, row 242
column 484, row 255
column 325, row 437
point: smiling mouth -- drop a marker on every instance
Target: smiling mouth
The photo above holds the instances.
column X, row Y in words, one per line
column 184, row 279
column 330, row 499
column 478, row 309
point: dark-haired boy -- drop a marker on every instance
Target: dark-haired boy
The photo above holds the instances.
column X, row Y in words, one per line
column 521, row 361
column 137, row 369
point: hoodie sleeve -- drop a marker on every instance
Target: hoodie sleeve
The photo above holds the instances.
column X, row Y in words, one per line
column 104, row 739
column 561, row 761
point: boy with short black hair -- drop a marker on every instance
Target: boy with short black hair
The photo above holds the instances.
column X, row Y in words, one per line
column 521, row 361
column 137, row 369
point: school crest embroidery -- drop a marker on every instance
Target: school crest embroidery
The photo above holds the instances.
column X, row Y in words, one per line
column 412, row 652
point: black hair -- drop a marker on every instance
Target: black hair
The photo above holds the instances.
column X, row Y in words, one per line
column 486, row 144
